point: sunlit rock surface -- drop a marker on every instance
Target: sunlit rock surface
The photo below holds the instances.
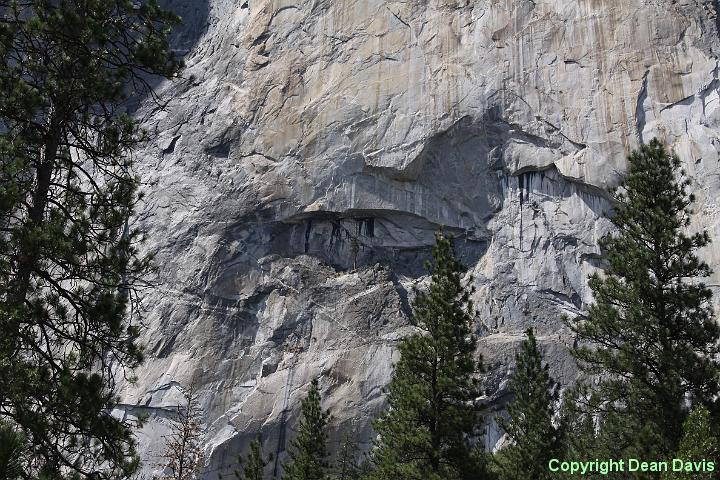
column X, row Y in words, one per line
column 301, row 165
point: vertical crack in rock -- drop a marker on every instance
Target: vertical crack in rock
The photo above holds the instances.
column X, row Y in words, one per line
column 308, row 228
column 640, row 107
column 521, row 188
column 283, row 418
column 370, row 227
column 295, row 350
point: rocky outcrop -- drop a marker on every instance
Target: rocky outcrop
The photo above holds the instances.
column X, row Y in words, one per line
column 303, row 162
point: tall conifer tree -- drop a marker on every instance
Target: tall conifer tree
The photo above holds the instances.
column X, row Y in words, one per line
column 530, row 427
column 432, row 418
column 68, row 259
column 308, row 451
column 649, row 336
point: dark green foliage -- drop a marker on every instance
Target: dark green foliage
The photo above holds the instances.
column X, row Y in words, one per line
column 68, row 261
column 535, row 439
column 578, row 428
column 12, row 451
column 346, row 466
column 253, row 466
column 432, row 418
column 650, row 335
column 308, row 451
column 698, row 443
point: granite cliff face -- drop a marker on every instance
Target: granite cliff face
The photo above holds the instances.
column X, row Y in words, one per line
column 301, row 166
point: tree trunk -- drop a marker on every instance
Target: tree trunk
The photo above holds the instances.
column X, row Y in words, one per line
column 27, row 260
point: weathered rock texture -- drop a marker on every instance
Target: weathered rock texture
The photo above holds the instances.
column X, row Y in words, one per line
column 312, row 148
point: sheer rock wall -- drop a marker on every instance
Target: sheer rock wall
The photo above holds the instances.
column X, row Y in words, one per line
column 301, row 165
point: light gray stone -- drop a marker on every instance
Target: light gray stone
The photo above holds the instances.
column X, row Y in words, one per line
column 311, row 149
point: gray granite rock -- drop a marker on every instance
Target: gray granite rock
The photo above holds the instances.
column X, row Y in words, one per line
column 303, row 162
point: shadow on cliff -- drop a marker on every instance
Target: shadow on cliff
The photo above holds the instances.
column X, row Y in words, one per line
column 195, row 19
column 195, row 15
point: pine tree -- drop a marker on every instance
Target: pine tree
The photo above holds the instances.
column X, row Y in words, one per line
column 254, row 466
column 530, row 427
column 649, row 336
column 346, row 466
column 698, row 444
column 432, row 417
column 308, row 451
column 69, row 264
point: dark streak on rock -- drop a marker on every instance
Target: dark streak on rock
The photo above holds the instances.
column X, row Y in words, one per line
column 308, row 228
column 171, row 148
column 639, row 110
column 398, row 18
